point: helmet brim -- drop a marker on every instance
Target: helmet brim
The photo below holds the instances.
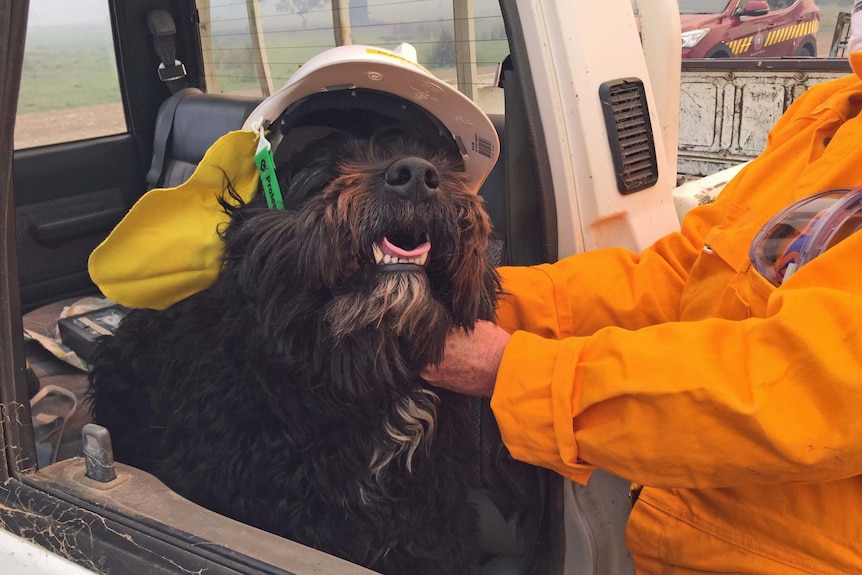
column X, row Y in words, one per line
column 365, row 67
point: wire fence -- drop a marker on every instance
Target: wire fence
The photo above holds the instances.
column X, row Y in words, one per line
column 290, row 37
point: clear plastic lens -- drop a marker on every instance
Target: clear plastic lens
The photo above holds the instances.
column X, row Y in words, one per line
column 803, row 231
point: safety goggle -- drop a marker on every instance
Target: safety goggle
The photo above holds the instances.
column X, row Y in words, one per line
column 804, row 230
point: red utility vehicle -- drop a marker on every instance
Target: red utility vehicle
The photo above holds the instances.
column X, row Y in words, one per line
column 748, row 28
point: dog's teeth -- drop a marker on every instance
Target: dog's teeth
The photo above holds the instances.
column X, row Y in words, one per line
column 380, row 258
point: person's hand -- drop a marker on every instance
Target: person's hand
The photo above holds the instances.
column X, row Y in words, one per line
column 470, row 361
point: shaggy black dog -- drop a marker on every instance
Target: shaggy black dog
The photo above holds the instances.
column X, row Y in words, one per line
column 288, row 394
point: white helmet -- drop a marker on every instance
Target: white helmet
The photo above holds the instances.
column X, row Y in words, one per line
column 359, row 79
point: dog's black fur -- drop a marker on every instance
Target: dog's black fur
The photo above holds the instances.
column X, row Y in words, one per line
column 288, row 394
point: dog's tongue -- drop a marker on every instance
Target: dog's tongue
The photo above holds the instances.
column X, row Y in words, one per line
column 394, row 251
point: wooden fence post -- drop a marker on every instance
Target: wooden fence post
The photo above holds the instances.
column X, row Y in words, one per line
column 341, row 22
column 465, row 48
column 258, row 46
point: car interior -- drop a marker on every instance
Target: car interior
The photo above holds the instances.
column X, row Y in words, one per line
column 69, row 196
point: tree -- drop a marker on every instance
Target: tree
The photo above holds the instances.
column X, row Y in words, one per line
column 299, row 7
column 359, row 12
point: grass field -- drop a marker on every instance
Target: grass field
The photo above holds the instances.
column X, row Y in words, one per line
column 828, row 19
column 65, row 68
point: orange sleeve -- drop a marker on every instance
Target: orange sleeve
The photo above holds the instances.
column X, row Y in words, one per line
column 586, row 292
column 572, row 296
column 712, row 403
column 601, row 371
column 544, row 305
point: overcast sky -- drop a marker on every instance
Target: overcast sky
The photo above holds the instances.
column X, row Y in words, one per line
column 53, row 12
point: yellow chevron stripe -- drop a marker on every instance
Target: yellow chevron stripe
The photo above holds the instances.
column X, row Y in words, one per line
column 770, row 38
column 779, row 33
column 777, row 36
column 741, row 45
column 789, row 32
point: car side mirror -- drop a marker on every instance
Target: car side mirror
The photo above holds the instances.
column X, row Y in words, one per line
column 753, row 8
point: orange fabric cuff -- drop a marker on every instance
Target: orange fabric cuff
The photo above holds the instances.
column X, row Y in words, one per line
column 541, row 306
column 532, row 403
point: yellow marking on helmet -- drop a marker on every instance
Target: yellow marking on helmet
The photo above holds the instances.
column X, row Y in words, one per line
column 396, row 57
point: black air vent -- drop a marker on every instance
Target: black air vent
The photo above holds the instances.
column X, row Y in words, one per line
column 629, row 134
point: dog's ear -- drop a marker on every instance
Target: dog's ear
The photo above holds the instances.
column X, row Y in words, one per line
column 475, row 289
column 475, row 281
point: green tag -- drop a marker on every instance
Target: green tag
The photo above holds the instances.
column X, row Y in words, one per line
column 266, row 166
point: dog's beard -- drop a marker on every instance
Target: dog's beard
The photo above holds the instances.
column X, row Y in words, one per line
column 400, row 307
column 401, row 304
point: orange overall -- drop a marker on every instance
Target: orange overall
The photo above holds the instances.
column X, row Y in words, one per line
column 737, row 404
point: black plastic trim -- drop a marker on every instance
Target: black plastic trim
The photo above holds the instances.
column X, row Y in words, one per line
column 18, row 444
column 55, row 233
column 536, row 144
column 630, row 134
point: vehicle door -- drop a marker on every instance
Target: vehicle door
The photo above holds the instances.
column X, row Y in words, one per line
column 746, row 34
column 85, row 114
column 90, row 92
column 791, row 27
column 84, row 120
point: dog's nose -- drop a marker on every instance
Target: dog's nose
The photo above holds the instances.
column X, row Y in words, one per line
column 412, row 178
